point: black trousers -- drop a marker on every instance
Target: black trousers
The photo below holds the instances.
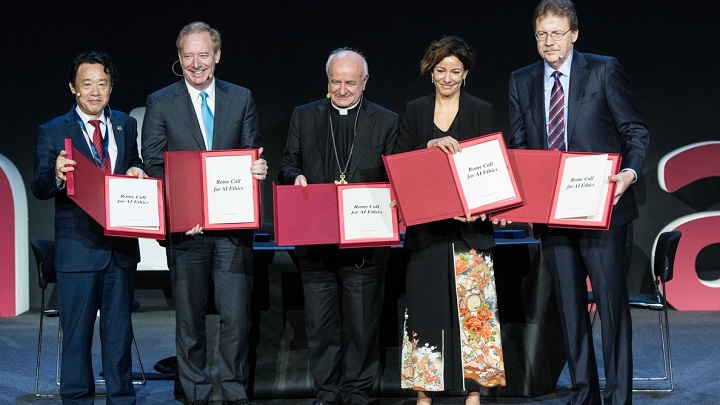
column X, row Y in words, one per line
column 343, row 301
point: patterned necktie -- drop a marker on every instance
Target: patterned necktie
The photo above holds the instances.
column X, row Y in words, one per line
column 208, row 120
column 556, row 128
column 98, row 144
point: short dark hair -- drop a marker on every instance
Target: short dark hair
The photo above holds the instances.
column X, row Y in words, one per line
column 441, row 48
column 560, row 8
column 93, row 57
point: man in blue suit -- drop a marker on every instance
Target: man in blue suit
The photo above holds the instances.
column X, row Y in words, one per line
column 597, row 113
column 177, row 119
column 94, row 271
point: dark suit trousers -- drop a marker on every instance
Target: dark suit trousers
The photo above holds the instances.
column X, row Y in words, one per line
column 80, row 296
column 570, row 256
column 343, row 297
column 203, row 260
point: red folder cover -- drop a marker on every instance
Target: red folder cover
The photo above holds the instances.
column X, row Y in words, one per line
column 306, row 215
column 87, row 187
column 427, row 185
column 310, row 216
column 185, row 191
column 538, row 175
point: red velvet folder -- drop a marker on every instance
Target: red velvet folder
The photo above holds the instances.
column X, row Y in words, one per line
column 185, row 190
column 310, row 216
column 538, row 173
column 87, row 186
column 428, row 188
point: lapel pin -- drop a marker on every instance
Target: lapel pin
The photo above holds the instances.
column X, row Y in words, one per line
column 119, row 128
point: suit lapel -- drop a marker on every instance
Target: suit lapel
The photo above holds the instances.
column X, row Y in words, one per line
column 222, row 110
column 365, row 126
column 537, row 98
column 466, row 123
column 579, row 73
column 118, row 128
column 75, row 132
column 428, row 119
column 186, row 113
column 320, row 128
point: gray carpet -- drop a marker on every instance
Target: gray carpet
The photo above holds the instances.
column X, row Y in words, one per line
column 694, row 347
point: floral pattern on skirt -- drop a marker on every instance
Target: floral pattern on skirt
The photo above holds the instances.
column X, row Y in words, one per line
column 480, row 342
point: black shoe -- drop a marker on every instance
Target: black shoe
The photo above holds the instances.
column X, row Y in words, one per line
column 198, row 402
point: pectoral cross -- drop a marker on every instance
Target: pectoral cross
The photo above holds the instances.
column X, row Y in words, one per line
column 342, row 179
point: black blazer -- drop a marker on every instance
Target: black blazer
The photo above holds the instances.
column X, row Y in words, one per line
column 475, row 118
column 602, row 117
column 308, row 137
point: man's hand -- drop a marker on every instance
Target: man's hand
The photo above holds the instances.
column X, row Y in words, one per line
column 623, row 180
column 63, row 165
column 197, row 229
column 301, row 181
column 136, row 172
column 259, row 168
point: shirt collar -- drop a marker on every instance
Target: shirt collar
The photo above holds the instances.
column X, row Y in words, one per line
column 195, row 93
column 564, row 69
column 86, row 118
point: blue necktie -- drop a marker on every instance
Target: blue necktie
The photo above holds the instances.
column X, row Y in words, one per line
column 208, row 119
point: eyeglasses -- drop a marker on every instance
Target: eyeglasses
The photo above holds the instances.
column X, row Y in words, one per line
column 556, row 36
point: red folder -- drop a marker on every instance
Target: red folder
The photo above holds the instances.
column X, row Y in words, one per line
column 87, row 186
column 343, row 207
column 306, row 215
column 311, row 216
column 186, row 195
column 428, row 188
column 538, row 173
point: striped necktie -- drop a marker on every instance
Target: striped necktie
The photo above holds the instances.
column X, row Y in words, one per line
column 98, row 144
column 556, row 128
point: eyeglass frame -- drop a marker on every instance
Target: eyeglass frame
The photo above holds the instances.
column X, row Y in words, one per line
column 551, row 35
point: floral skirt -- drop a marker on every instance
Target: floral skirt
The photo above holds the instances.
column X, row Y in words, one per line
column 451, row 337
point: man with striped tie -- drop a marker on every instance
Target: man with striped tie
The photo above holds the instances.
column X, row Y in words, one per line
column 581, row 102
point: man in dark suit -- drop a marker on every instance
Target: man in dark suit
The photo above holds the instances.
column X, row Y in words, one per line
column 341, row 139
column 597, row 114
column 177, row 119
column 94, row 271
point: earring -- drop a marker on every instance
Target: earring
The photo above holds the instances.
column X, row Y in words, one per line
column 432, row 80
column 463, row 82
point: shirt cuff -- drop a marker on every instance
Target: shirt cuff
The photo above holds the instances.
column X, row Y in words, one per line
column 633, row 171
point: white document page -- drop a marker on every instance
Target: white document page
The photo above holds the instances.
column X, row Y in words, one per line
column 599, row 214
column 367, row 213
column 484, row 177
column 133, row 203
column 229, row 189
column 581, row 186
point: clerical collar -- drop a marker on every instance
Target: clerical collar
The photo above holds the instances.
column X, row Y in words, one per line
column 345, row 111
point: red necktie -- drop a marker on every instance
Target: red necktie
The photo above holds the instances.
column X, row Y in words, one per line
column 556, row 128
column 98, row 143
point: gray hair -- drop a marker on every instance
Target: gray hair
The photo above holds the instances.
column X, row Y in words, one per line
column 345, row 50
